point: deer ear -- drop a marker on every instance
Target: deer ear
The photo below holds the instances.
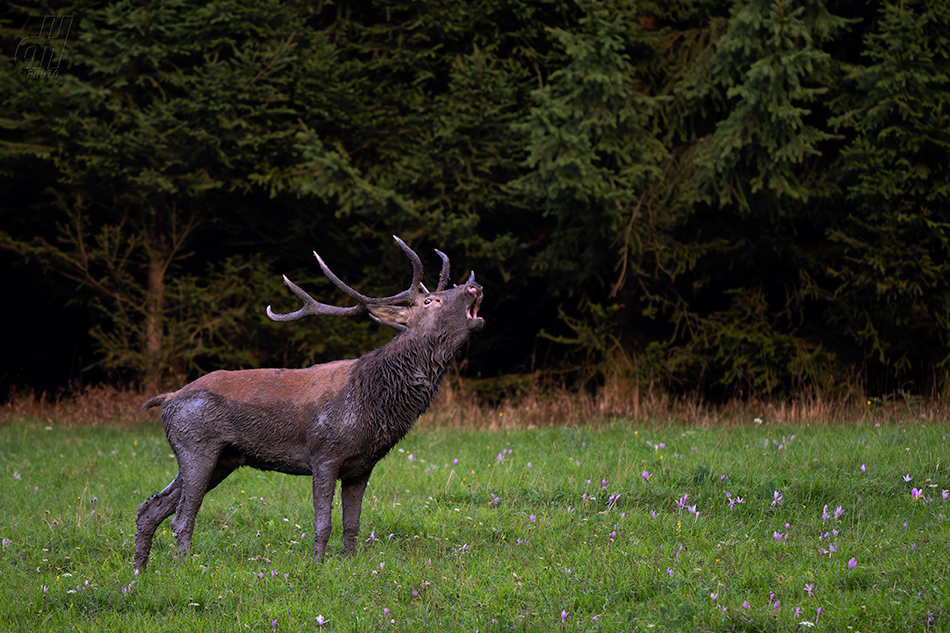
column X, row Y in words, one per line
column 393, row 316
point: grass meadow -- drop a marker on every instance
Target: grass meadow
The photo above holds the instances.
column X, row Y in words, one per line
column 617, row 526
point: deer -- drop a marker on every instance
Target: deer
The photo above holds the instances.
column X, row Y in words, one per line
column 331, row 421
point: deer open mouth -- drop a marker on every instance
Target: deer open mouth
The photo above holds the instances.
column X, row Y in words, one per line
column 472, row 313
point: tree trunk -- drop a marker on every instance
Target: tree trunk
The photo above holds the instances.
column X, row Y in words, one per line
column 154, row 320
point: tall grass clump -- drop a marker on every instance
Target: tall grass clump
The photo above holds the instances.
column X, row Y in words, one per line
column 616, row 527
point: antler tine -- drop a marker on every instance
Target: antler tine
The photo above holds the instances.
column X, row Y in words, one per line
column 416, row 284
column 444, row 275
column 404, row 296
column 311, row 307
column 360, row 298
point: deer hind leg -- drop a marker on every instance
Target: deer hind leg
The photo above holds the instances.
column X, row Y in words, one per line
column 151, row 513
column 324, row 485
column 196, row 470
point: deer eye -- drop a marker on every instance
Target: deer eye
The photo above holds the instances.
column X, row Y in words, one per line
column 427, row 302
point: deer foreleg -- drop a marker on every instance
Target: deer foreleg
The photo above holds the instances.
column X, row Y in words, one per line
column 352, row 495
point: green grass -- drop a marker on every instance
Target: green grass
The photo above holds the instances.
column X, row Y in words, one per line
column 451, row 557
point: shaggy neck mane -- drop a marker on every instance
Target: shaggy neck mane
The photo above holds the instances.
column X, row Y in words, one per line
column 399, row 381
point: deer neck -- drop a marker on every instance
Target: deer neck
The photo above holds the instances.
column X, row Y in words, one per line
column 398, row 382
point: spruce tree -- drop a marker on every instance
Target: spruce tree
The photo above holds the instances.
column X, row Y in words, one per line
column 754, row 182
column 893, row 297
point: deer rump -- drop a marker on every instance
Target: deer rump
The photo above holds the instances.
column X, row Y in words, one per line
column 330, row 421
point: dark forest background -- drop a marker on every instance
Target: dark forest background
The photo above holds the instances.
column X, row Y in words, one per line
column 729, row 198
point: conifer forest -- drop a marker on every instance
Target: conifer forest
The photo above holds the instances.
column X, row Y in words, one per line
column 732, row 198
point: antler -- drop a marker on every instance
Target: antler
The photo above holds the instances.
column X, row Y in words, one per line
column 444, row 275
column 312, row 307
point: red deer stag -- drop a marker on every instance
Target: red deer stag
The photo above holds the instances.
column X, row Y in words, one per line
column 331, row 421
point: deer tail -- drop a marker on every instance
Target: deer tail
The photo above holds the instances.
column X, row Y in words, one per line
column 153, row 402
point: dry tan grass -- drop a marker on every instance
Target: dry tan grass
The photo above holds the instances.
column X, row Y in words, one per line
column 619, row 399
column 459, row 407
column 95, row 405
